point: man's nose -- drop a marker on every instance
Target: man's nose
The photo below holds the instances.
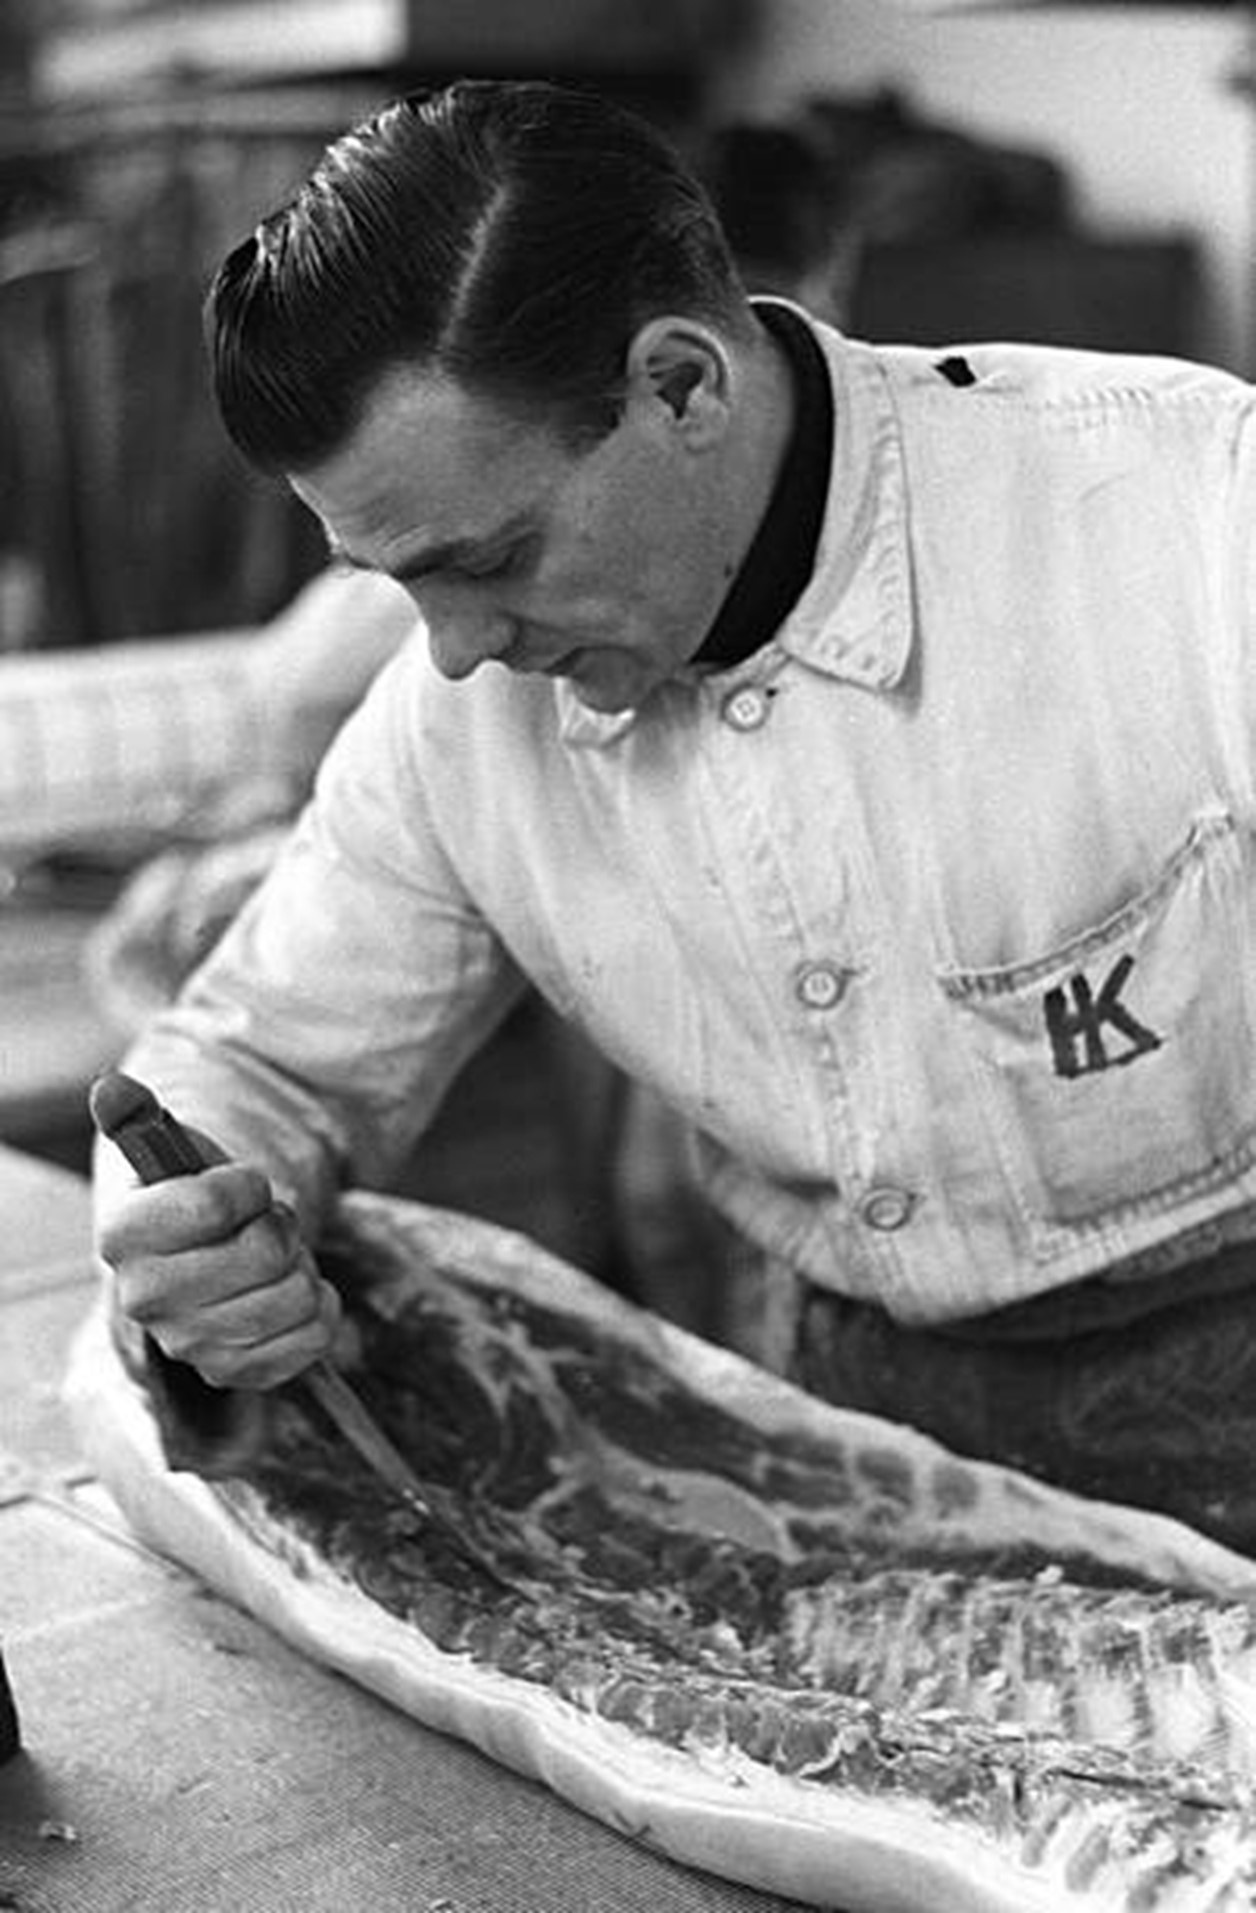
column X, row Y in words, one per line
column 464, row 636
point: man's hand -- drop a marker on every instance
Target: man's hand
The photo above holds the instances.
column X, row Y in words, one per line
column 213, row 1268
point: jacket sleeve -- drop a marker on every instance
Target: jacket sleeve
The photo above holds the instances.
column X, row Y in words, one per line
column 319, row 1036
column 1239, row 531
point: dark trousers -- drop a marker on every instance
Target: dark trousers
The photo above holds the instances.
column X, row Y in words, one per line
column 10, row 1737
column 1127, row 1393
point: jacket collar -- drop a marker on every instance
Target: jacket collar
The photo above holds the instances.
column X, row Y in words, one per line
column 854, row 619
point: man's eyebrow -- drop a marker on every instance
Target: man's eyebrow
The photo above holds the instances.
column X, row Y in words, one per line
column 455, row 551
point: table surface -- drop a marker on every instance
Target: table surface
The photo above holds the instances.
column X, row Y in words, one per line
column 54, row 1035
column 177, row 1755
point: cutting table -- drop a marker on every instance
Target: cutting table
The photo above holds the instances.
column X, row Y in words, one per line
column 179, row 1757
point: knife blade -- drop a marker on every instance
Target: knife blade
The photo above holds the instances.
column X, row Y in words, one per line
column 157, row 1147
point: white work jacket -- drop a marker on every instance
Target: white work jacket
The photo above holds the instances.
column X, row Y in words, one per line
column 936, row 917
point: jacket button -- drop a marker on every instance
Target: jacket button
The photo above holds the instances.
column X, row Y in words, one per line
column 886, row 1208
column 820, row 985
column 745, row 708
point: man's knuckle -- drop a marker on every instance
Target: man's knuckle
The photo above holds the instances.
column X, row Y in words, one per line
column 121, row 1236
column 138, row 1294
column 110, row 1243
column 253, row 1190
column 221, row 1204
column 273, row 1251
column 172, row 1338
column 297, row 1299
column 261, row 1367
column 142, row 1306
column 216, row 1367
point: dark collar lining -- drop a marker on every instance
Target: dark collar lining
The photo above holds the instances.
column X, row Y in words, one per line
column 781, row 558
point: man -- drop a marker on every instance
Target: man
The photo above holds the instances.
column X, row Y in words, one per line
column 855, row 743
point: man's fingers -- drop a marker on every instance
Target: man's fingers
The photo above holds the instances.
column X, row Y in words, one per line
column 155, row 1289
column 185, row 1212
column 265, row 1349
column 256, row 1314
column 216, row 1273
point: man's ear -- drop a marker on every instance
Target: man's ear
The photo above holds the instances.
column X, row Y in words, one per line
column 682, row 371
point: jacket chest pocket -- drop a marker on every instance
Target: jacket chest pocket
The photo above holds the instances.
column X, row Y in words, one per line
column 1116, row 1074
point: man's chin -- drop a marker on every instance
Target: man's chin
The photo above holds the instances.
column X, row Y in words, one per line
column 605, row 702
column 601, row 683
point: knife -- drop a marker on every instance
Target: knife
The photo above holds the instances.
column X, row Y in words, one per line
column 158, row 1148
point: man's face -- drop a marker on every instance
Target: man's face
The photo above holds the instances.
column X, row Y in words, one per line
column 604, row 566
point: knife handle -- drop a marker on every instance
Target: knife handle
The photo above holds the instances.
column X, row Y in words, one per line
column 153, row 1142
column 158, row 1147
column 209, row 1430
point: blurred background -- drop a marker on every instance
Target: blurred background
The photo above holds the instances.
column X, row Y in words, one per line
column 173, row 661
column 1074, row 173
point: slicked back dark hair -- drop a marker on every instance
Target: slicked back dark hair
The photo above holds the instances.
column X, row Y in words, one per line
column 510, row 234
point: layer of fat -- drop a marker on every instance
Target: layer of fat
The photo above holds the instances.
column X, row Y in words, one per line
column 743, row 1820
